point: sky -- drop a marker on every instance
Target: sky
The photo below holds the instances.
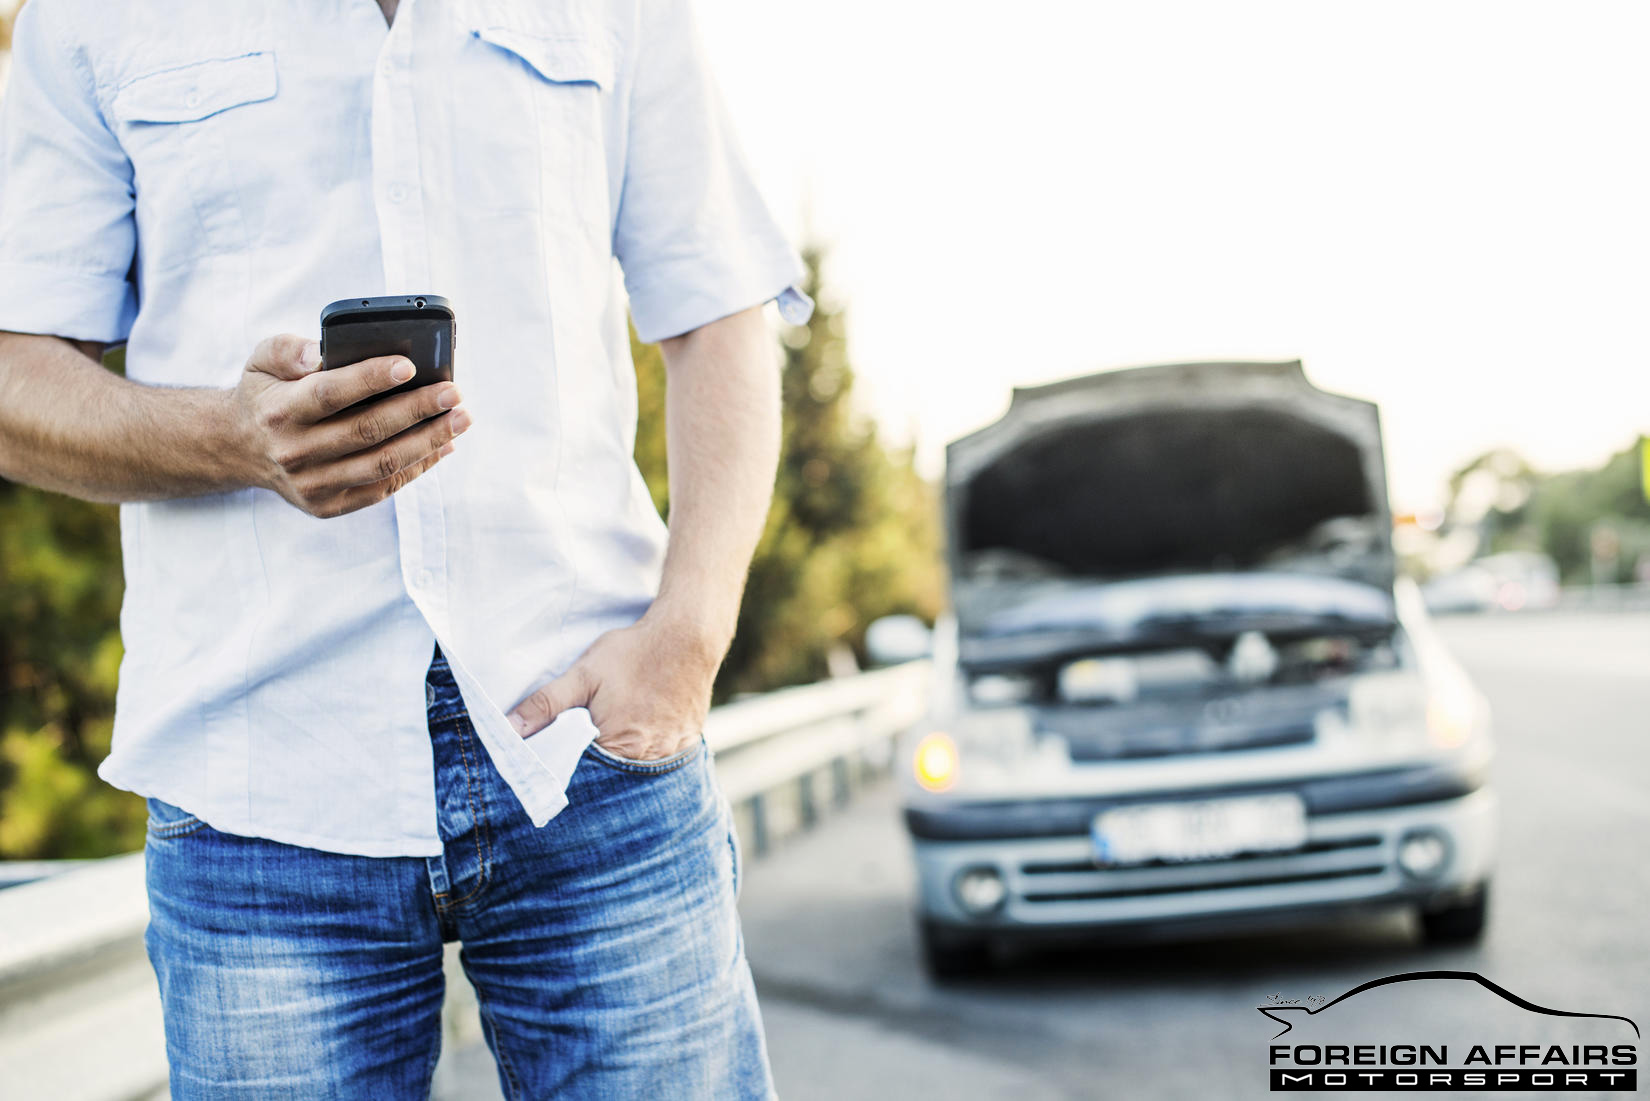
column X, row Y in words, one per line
column 1442, row 207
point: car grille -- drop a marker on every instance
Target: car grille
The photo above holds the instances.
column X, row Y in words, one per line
column 1082, row 881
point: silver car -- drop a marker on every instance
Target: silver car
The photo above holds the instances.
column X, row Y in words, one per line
column 1181, row 686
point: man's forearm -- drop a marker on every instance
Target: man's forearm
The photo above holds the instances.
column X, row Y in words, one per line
column 70, row 425
column 722, row 441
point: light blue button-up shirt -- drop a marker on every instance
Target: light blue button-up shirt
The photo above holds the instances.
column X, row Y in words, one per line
column 190, row 176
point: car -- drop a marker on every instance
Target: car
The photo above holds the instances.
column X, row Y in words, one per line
column 1180, row 687
column 1466, row 590
column 1524, row 580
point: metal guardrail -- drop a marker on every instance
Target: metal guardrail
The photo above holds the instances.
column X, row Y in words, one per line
column 1625, row 597
column 80, row 1016
column 1629, row 597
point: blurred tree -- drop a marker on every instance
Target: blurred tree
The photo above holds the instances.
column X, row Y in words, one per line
column 854, row 530
column 1518, row 508
column 1567, row 509
column 60, row 588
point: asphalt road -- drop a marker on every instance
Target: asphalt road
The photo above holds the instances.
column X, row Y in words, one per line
column 850, row 1013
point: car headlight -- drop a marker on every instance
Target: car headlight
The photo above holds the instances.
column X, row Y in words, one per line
column 1452, row 716
column 1402, row 710
column 994, row 739
column 936, row 761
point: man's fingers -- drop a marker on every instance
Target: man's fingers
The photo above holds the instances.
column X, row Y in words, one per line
column 393, row 456
column 286, row 356
column 571, row 689
column 358, row 430
column 324, row 393
column 359, row 497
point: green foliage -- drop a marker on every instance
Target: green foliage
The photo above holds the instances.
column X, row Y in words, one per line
column 1561, row 514
column 60, row 587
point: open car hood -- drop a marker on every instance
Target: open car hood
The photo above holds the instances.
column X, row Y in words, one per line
column 1184, row 469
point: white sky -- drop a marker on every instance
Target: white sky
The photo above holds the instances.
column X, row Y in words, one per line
column 1439, row 206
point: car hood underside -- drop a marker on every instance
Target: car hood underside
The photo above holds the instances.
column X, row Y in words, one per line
column 1187, row 469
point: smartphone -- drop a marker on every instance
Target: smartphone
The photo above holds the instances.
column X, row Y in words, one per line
column 418, row 326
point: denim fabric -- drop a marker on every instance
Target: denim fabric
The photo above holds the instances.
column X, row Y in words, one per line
column 604, row 948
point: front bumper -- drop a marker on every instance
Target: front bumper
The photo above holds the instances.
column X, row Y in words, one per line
column 1350, row 860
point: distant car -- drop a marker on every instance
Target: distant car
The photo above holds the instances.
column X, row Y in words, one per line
column 1454, row 592
column 1180, row 688
column 1523, row 580
column 1512, row 581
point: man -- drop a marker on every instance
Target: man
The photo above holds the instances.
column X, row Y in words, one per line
column 426, row 670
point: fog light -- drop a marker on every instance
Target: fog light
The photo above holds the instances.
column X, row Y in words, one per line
column 1423, row 853
column 979, row 890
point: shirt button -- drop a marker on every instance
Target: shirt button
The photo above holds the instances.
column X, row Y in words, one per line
column 398, row 193
column 426, row 579
column 193, row 99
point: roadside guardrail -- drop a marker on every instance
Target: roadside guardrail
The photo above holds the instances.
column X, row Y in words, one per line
column 1629, row 597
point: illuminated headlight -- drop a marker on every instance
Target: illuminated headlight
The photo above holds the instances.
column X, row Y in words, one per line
column 935, row 762
column 1422, row 854
column 979, row 890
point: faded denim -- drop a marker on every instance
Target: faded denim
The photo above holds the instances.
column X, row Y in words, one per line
column 605, row 947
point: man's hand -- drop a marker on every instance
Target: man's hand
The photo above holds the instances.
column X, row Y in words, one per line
column 647, row 687
column 304, row 443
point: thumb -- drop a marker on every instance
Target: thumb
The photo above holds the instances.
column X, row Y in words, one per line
column 533, row 714
column 288, row 356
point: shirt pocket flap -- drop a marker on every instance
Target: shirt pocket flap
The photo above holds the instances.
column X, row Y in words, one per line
column 565, row 58
column 191, row 92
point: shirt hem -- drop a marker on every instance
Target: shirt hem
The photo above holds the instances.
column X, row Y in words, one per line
column 378, row 849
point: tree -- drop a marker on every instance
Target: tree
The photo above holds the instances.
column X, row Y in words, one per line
column 60, row 591
column 1515, row 507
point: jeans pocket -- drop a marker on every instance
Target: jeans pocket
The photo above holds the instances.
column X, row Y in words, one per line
column 168, row 820
column 650, row 768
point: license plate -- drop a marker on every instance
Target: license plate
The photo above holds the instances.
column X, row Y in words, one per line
column 1208, row 829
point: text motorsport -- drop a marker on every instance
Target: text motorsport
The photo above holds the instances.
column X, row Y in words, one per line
column 1428, row 1067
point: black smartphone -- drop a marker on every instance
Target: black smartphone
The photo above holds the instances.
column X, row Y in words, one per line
column 418, row 326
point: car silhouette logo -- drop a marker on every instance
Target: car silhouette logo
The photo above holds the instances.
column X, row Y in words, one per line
column 1272, row 1011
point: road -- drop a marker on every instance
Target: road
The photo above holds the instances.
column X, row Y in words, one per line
column 850, row 1014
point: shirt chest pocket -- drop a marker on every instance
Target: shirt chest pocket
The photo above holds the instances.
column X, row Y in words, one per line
column 177, row 127
column 535, row 88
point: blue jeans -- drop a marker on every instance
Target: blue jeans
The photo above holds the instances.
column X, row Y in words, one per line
column 604, row 949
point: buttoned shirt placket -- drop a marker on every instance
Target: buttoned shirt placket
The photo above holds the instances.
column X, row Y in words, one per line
column 420, row 519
